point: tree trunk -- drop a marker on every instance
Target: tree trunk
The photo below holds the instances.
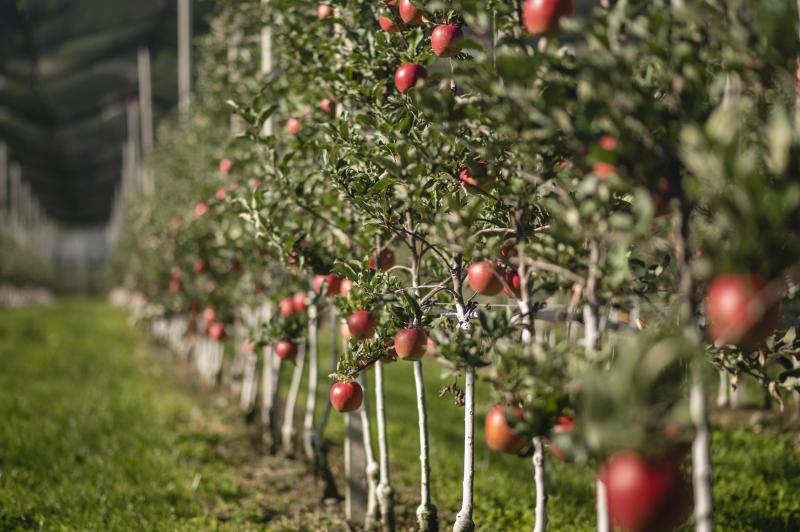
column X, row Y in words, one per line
column 464, row 521
column 384, row 490
column 288, row 431
column 701, row 458
column 311, row 399
column 372, row 468
column 540, row 525
column 603, row 521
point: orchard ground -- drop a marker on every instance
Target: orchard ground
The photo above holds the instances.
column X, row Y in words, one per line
column 103, row 431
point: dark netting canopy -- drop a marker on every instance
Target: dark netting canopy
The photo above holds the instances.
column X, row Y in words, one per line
column 68, row 69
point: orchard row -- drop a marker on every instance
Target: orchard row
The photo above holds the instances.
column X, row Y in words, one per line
column 625, row 176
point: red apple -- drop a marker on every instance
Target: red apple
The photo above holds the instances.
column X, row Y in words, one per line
column 409, row 13
column 344, row 287
column 220, row 194
column 387, row 260
column 737, row 311
column 564, row 425
column 299, row 302
column 603, row 169
column 286, row 350
column 411, row 344
column 608, row 143
column 225, row 166
column 542, row 16
column 408, row 75
column 388, row 25
column 217, row 332
column 346, row 396
column 446, row 40
column 509, row 250
column 642, row 495
column 514, row 283
column 200, row 209
column 484, row 277
column 324, row 11
column 499, row 436
column 293, row 125
column 328, row 106
column 481, row 178
column 175, row 286
column 430, row 347
column 332, row 281
column 286, row 306
column 200, row 266
column 209, row 315
column 361, row 324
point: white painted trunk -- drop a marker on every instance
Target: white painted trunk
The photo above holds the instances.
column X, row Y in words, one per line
column 464, row 521
column 373, row 470
column 384, row 490
column 540, row 525
column 603, row 521
column 311, row 398
column 701, row 459
column 288, row 431
column 723, row 392
column 426, row 512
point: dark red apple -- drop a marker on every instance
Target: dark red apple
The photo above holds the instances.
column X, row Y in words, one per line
column 328, row 106
column 409, row 13
column 225, row 166
column 361, row 324
column 411, row 344
column 387, row 260
column 324, row 11
column 346, row 396
column 408, row 75
column 293, row 125
column 514, row 283
column 484, row 277
column 286, row 307
column 499, row 436
column 332, row 281
column 216, row 331
column 642, row 495
column 200, row 266
column 200, row 209
column 542, row 16
column 299, row 302
column 446, row 40
column 286, row 350
column 738, row 312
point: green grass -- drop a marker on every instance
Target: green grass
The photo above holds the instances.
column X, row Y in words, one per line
column 96, row 434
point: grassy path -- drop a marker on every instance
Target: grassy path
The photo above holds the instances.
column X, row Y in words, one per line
column 97, row 433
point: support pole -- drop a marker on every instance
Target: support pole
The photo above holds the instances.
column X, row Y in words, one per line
column 184, row 54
